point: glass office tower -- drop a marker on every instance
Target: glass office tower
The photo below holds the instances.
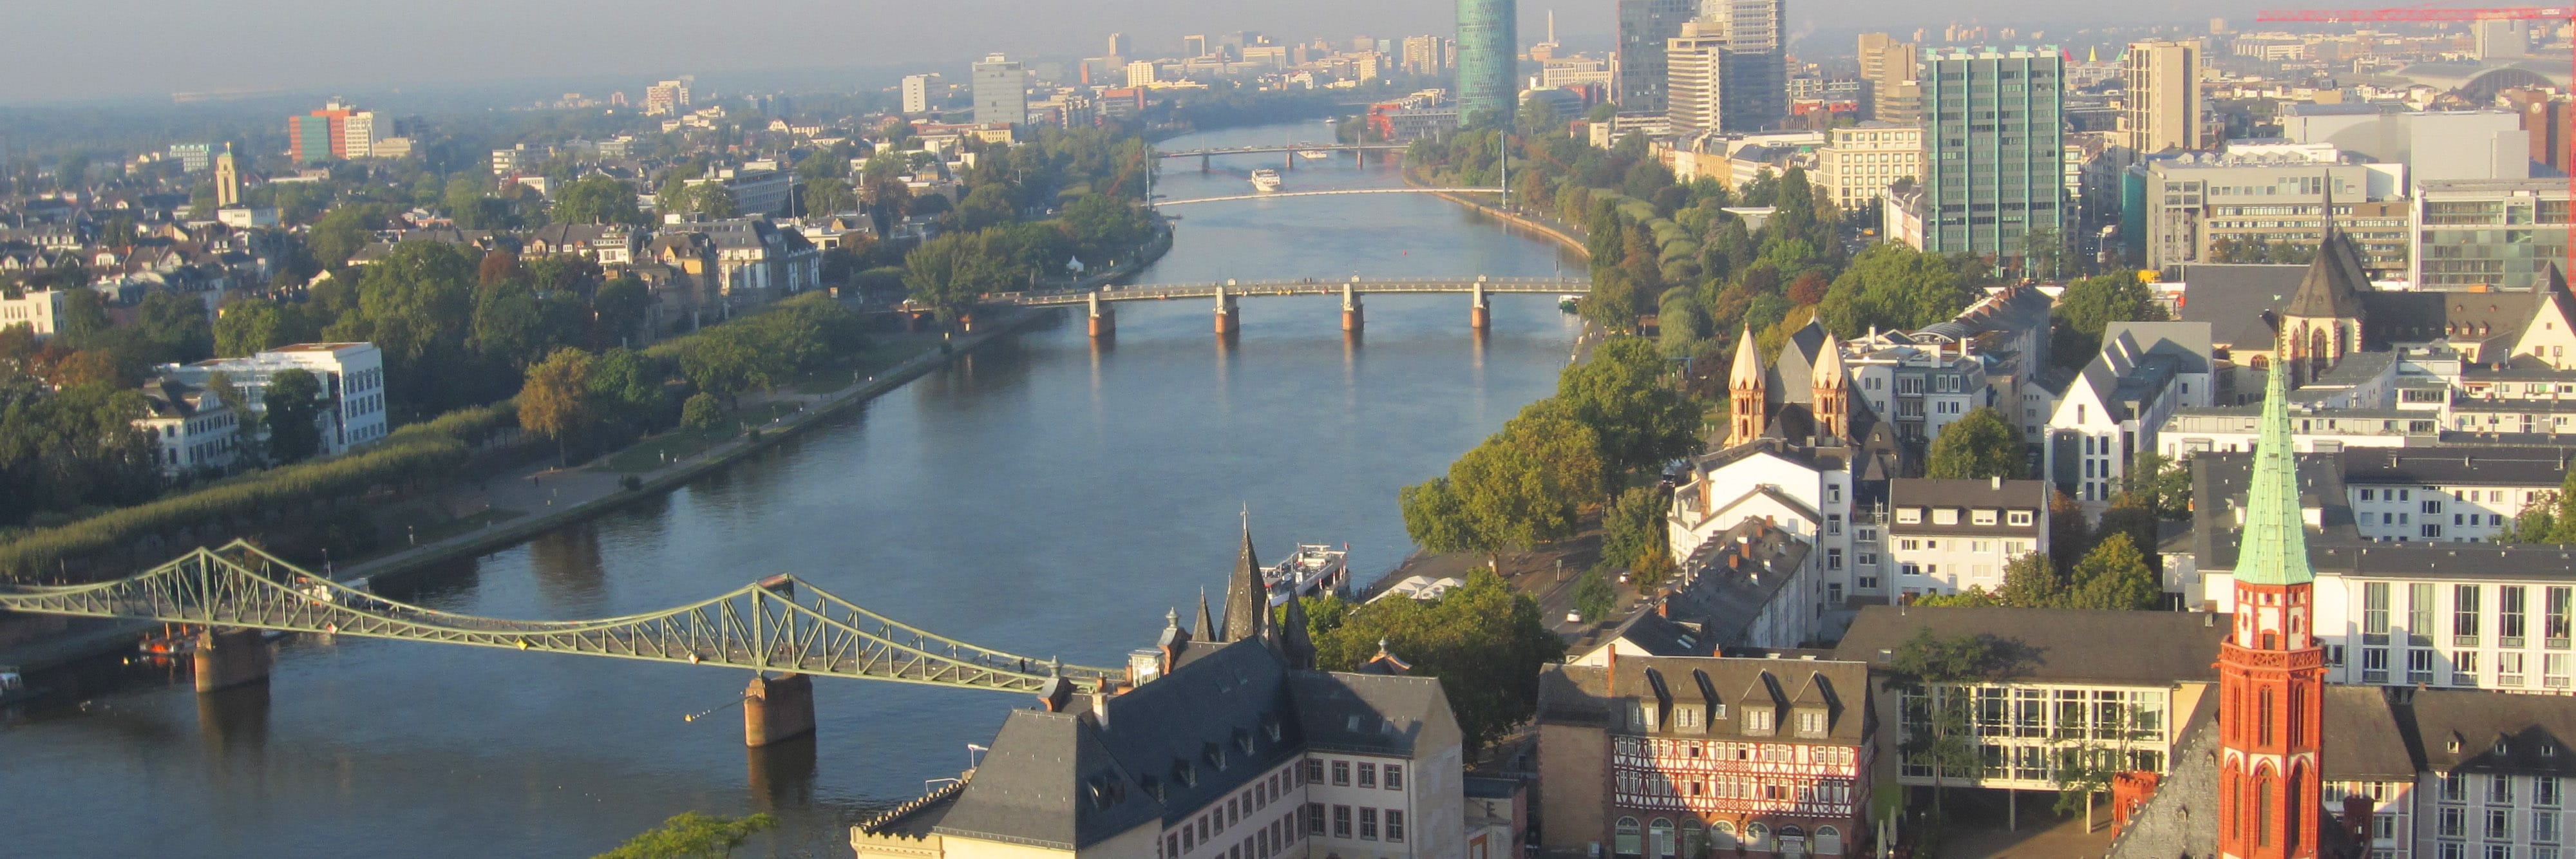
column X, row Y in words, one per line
column 1993, row 140
column 1488, row 36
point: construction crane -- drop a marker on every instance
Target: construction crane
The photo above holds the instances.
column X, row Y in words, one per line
column 2420, row 15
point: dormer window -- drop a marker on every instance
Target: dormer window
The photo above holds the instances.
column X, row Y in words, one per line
column 1983, row 517
column 1945, row 516
column 1215, row 755
column 1243, row 740
column 1757, row 721
column 1909, row 515
column 2017, row 518
column 1811, row 723
column 1184, row 773
column 1686, row 717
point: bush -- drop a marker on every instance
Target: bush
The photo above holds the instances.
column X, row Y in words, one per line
column 702, row 412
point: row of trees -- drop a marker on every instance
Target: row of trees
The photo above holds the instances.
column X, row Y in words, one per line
column 1525, row 486
column 1484, row 640
column 589, row 401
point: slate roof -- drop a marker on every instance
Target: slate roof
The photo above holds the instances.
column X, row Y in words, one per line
column 2336, row 546
column 2237, row 300
column 2058, row 645
column 1583, row 695
column 2333, row 283
column 2442, row 466
column 2369, row 744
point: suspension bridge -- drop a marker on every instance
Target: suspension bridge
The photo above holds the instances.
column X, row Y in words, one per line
column 779, row 624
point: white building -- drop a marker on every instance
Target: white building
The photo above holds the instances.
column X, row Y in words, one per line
column 352, row 377
column 36, row 309
column 2453, row 773
column 192, row 430
column 1948, row 536
column 916, row 93
column 2112, row 411
column 1864, row 159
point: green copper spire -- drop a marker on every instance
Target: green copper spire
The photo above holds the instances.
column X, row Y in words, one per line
column 2275, row 542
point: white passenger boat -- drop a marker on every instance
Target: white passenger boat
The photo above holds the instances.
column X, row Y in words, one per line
column 1265, row 180
column 1315, row 570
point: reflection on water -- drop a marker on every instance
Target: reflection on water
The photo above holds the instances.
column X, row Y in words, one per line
column 1050, row 496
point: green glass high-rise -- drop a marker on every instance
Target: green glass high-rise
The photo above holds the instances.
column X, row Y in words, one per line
column 1488, row 36
column 1993, row 137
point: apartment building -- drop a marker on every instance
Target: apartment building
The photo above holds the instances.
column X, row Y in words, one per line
column 1947, row 536
column 352, row 377
column 1863, row 160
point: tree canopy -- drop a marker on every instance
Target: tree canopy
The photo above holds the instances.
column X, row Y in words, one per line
column 1484, row 640
column 1979, row 445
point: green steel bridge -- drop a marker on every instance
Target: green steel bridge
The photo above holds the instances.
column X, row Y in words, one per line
column 777, row 624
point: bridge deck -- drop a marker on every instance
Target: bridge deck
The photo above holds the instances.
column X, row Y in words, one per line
column 1492, row 286
column 1284, row 147
column 1274, row 195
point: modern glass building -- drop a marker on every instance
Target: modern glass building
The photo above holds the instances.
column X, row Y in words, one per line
column 1488, row 34
column 1638, row 71
column 2489, row 234
column 1994, row 134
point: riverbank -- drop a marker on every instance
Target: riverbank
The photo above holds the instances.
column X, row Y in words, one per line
column 515, row 507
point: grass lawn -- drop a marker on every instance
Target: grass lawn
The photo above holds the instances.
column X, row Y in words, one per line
column 883, row 351
column 649, row 454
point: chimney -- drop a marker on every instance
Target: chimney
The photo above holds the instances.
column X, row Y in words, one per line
column 1100, row 701
column 1664, row 607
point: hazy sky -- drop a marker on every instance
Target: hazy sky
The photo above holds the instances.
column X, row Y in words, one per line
column 99, row 48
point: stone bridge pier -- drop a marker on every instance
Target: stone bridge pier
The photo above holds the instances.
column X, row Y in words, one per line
column 1352, row 316
column 230, row 657
column 1480, row 312
column 1227, row 322
column 777, row 708
column 1104, row 318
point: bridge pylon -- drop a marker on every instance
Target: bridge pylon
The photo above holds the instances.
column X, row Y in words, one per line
column 777, row 709
column 1104, row 319
column 1352, row 317
column 229, row 657
column 1226, row 322
column 1480, row 311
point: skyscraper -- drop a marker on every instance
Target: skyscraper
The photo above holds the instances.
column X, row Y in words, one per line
column 1695, row 92
column 2164, row 97
column 1756, row 80
column 1993, row 139
column 916, row 93
column 1638, row 71
column 1001, row 91
column 336, row 131
column 1120, row 46
column 1488, row 38
column 1887, row 69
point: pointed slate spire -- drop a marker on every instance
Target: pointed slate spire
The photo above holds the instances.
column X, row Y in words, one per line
column 2275, row 550
column 1206, row 629
column 1294, row 642
column 1247, row 598
column 1748, row 363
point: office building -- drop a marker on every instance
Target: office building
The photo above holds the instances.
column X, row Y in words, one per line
column 667, row 97
column 193, row 157
column 1488, row 44
column 2164, row 97
column 1887, row 75
column 1756, row 79
column 1637, row 69
column 1001, row 91
column 1992, row 172
column 1864, row 159
column 1423, row 55
column 337, row 131
column 1194, row 46
column 916, row 93
column 36, row 308
column 352, row 377
column 192, row 430
column 2208, row 207
column 2502, row 234
column 2434, row 145
column 1140, row 73
column 1120, row 47
column 1694, row 96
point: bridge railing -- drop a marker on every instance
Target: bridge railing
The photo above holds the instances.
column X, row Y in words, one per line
column 768, row 625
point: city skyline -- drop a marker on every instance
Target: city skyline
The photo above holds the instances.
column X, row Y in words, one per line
column 486, row 43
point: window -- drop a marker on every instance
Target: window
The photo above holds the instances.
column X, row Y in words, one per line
column 1368, row 824
column 1757, row 721
column 2545, row 791
column 1394, row 776
column 2554, row 622
column 1811, row 723
column 2500, row 789
column 1314, row 818
column 1982, row 517
column 1314, row 770
column 1341, row 772
column 1368, row 775
column 2419, row 666
column 2464, row 668
column 2509, row 616
column 1394, row 825
column 2455, row 788
column 2374, row 612
column 2419, row 614
column 2499, row 823
column 2019, row 518
column 2464, row 614
column 1627, row 838
column 1341, row 821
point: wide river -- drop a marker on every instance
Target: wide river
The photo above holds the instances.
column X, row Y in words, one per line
column 1043, row 496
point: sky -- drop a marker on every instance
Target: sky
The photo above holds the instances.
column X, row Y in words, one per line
column 93, row 49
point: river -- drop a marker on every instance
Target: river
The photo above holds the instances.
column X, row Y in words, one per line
column 1045, row 496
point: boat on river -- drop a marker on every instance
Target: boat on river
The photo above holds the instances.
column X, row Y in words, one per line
column 1265, row 180
column 1316, row 569
column 1313, row 154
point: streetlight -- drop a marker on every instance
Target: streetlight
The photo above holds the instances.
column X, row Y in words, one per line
column 971, row 750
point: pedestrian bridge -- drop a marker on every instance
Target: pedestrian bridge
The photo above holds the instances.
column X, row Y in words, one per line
column 779, row 624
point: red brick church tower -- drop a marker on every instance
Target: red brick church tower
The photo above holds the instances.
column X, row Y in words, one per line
column 2271, row 673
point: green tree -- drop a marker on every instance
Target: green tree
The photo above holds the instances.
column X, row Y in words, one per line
column 173, row 328
column 1523, row 487
column 2162, row 485
column 702, row 411
column 2081, row 772
column 1594, row 599
column 621, row 308
column 691, row 835
column 597, row 199
column 2089, row 306
column 626, row 387
column 1639, row 421
column 950, row 273
column 416, row 305
column 556, row 400
column 1483, row 640
column 829, row 196
column 1890, row 285
column 986, row 206
column 2551, row 521
column 2031, row 581
column 2114, row 576
column 1633, row 527
column 1928, row 670
column 294, row 411
column 1434, row 518
column 1980, row 444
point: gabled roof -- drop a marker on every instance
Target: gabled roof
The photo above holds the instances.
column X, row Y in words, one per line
column 2333, row 283
column 2058, row 645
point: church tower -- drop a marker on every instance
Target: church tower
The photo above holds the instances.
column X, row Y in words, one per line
column 1247, row 597
column 227, row 179
column 2322, row 322
column 1831, row 402
column 2271, row 673
column 1744, row 393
